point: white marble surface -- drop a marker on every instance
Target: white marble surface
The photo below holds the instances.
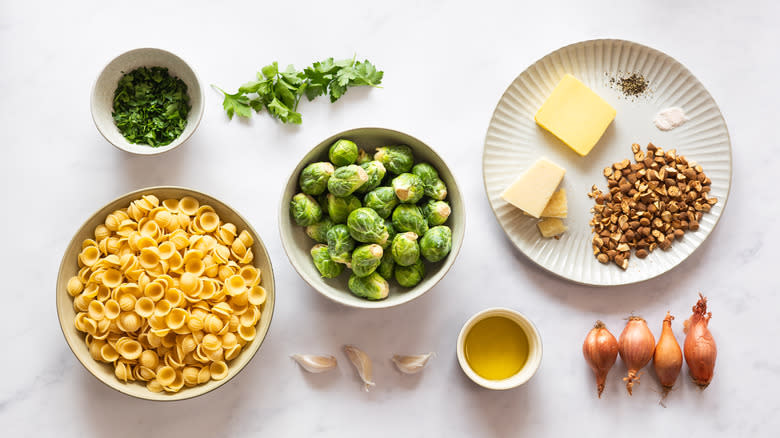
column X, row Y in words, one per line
column 446, row 66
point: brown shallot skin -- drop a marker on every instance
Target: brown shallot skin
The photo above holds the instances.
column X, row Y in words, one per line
column 636, row 346
column 600, row 350
column 699, row 346
column 668, row 357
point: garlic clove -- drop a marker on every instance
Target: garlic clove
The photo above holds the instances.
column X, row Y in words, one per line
column 362, row 364
column 315, row 364
column 411, row 364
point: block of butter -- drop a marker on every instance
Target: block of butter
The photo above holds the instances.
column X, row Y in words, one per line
column 575, row 114
column 531, row 192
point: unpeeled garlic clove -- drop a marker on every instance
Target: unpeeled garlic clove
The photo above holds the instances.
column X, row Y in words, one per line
column 362, row 364
column 315, row 364
column 411, row 364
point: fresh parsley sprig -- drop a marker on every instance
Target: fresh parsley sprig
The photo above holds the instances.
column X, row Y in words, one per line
column 279, row 92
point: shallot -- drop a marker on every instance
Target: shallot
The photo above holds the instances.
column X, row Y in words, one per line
column 699, row 347
column 667, row 359
column 636, row 346
column 600, row 350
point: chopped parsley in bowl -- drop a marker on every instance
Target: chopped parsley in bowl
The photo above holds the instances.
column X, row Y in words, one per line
column 151, row 106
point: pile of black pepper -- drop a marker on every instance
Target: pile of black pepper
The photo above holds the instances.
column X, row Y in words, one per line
column 630, row 85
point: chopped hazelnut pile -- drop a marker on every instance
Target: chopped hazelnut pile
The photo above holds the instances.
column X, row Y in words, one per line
column 650, row 203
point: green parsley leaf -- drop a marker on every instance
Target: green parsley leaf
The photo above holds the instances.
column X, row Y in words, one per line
column 236, row 103
column 280, row 91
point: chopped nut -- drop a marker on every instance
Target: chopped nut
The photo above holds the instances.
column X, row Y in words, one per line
column 648, row 204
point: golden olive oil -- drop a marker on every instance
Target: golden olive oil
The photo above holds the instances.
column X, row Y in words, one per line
column 496, row 348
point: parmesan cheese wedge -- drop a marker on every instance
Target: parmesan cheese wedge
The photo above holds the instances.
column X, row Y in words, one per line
column 551, row 227
column 557, row 207
column 531, row 192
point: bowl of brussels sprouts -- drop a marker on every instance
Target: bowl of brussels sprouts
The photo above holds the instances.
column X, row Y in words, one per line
column 372, row 218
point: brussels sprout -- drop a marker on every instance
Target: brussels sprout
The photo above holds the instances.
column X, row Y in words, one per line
column 408, row 188
column 366, row 226
column 375, row 171
column 408, row 217
column 340, row 208
column 305, row 210
column 382, row 200
column 436, row 243
column 319, row 231
column 327, row 267
column 366, row 258
column 405, row 249
column 438, row 191
column 397, row 159
column 409, row 276
column 340, row 244
column 314, row 178
column 372, row 286
column 386, row 265
column 363, row 157
column 436, row 212
column 322, row 200
column 345, row 180
column 426, row 172
column 434, row 187
column 343, row 152
column 390, row 234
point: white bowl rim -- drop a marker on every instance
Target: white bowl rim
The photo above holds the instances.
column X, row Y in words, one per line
column 367, row 304
column 152, row 150
column 221, row 383
column 534, row 341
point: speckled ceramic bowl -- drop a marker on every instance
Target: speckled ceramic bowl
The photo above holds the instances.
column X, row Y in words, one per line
column 102, row 100
column 297, row 244
column 105, row 372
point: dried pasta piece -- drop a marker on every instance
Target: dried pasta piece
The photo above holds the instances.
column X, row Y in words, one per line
column 75, row 286
column 246, row 333
column 165, row 375
column 219, row 370
column 209, row 221
column 257, row 295
column 189, row 205
column 108, row 353
column 235, row 285
column 130, row 349
column 111, row 309
column 89, row 255
column 212, row 324
column 176, row 318
column 96, row 310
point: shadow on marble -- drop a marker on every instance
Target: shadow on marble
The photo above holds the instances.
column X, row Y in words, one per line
column 501, row 413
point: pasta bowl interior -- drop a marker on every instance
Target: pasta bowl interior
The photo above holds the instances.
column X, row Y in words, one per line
column 298, row 245
column 185, row 313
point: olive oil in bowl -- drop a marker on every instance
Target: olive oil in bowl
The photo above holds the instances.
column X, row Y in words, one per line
column 499, row 348
column 496, row 348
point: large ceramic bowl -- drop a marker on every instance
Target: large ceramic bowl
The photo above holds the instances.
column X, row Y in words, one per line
column 105, row 372
column 297, row 244
column 102, row 99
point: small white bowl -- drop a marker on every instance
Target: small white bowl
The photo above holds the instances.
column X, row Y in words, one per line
column 102, row 100
column 534, row 349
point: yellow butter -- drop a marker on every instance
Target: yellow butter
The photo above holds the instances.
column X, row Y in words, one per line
column 575, row 114
column 551, row 227
column 533, row 189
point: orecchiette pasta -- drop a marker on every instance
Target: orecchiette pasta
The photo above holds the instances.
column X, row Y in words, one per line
column 166, row 293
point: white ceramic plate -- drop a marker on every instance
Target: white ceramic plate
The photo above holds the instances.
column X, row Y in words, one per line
column 514, row 142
